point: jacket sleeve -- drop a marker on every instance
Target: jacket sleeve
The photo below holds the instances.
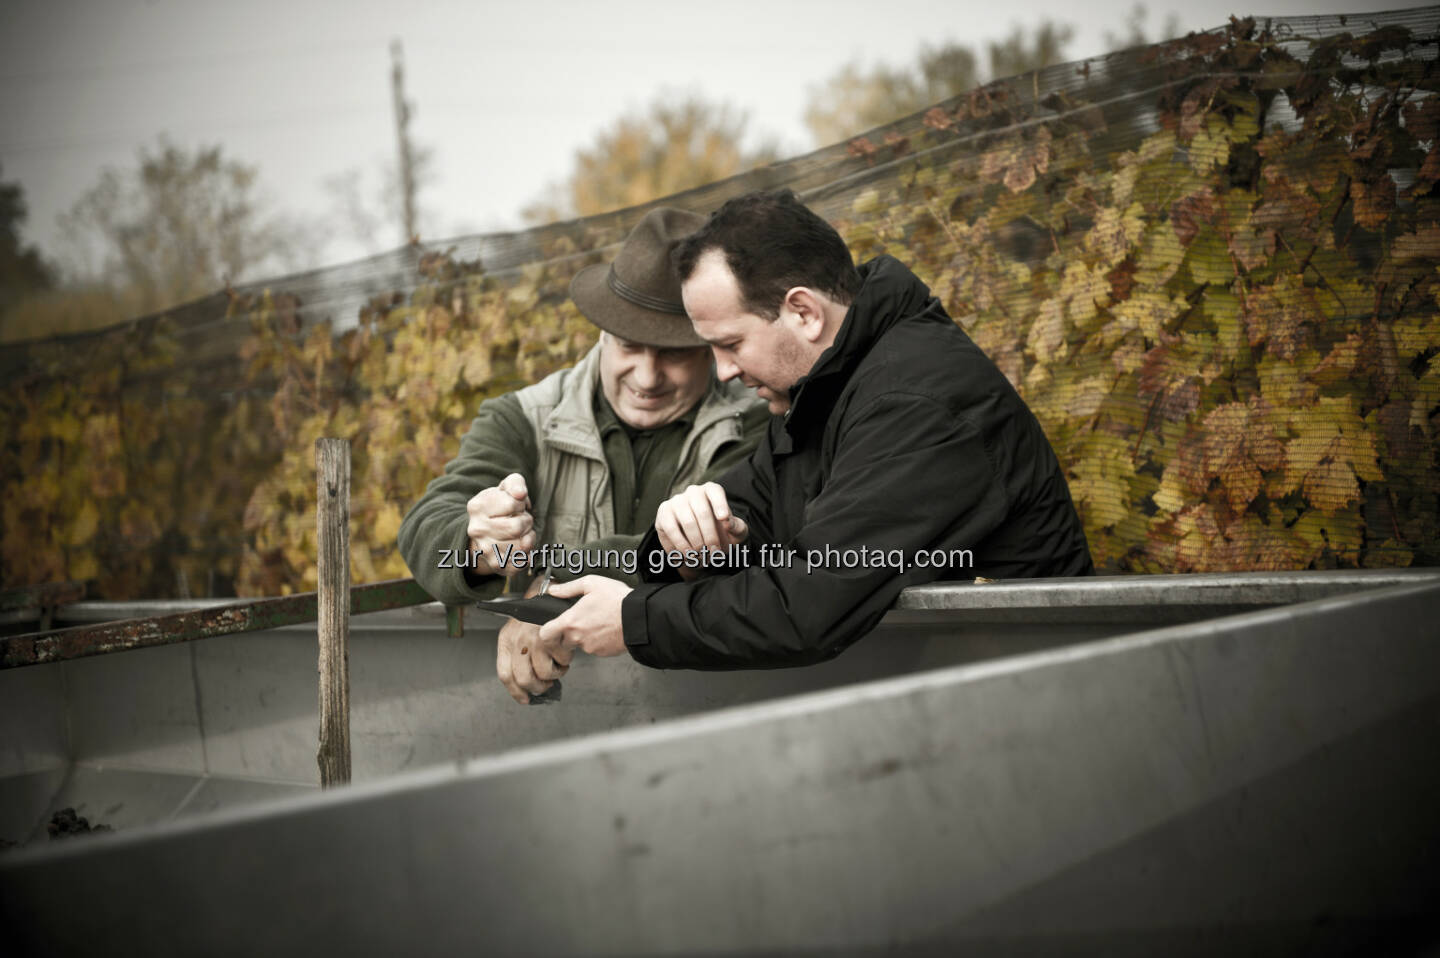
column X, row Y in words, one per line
column 908, row 478
column 500, row 441
column 746, row 481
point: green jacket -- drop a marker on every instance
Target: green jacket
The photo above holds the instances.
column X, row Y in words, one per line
column 549, row 434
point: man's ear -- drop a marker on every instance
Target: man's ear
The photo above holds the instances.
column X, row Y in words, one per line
column 809, row 312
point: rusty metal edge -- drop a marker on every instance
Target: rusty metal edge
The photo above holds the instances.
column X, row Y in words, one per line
column 60, row 645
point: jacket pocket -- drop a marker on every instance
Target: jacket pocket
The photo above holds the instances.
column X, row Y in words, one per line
column 565, row 528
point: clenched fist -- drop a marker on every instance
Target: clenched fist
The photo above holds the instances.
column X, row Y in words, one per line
column 499, row 520
column 698, row 518
column 525, row 668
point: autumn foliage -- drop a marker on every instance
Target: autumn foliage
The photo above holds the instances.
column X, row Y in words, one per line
column 1209, row 266
column 1229, row 328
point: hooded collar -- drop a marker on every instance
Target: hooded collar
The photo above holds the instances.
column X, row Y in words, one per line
column 889, row 293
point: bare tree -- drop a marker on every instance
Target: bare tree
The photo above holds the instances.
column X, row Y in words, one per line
column 22, row 270
column 673, row 145
column 855, row 100
column 180, row 225
column 1136, row 35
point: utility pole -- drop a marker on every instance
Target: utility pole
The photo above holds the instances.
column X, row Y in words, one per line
column 402, row 124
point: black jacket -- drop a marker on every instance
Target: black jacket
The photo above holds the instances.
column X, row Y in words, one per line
column 904, row 439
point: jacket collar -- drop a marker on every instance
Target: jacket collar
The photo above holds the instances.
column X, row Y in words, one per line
column 571, row 426
column 889, row 293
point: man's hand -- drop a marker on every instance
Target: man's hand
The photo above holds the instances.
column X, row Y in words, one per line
column 500, row 519
column 524, row 667
column 698, row 518
column 590, row 625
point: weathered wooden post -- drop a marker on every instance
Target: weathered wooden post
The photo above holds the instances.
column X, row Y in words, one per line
column 332, row 528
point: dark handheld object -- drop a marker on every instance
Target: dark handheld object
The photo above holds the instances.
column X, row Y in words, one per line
column 537, row 610
column 548, row 697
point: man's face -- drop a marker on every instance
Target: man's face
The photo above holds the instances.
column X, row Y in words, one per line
column 649, row 386
column 768, row 356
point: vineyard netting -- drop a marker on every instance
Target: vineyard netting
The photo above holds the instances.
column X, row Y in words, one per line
column 1208, row 265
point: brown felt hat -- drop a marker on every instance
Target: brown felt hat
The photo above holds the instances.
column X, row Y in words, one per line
column 637, row 297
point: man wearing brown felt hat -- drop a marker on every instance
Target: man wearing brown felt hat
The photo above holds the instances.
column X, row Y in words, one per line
column 584, row 458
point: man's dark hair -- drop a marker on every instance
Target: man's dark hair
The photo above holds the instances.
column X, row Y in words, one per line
column 772, row 243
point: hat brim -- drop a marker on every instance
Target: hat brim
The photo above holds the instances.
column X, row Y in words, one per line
column 603, row 307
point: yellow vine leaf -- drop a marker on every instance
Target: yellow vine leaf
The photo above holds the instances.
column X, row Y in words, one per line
column 1047, row 333
column 82, row 567
column 1211, row 146
column 83, row 526
column 477, row 370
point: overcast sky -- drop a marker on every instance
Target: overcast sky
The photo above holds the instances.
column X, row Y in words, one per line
column 504, row 92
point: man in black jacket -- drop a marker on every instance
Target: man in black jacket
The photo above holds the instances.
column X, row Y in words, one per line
column 898, row 454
